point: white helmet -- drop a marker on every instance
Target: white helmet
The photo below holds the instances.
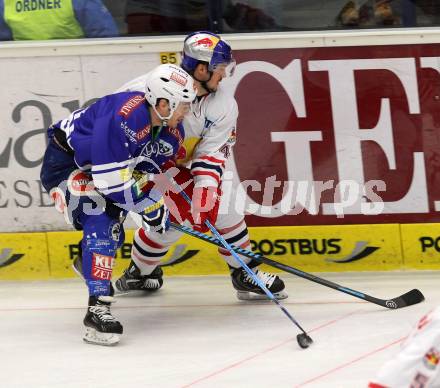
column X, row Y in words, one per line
column 171, row 83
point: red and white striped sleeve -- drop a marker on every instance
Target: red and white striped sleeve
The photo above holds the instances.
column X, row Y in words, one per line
column 218, row 138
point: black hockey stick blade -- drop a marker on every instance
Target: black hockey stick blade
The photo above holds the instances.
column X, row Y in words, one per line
column 409, row 298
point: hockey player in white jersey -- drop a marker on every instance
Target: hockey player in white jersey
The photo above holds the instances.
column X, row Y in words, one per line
column 210, row 133
column 417, row 365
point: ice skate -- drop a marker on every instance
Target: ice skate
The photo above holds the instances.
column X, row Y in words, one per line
column 132, row 280
column 101, row 327
column 248, row 289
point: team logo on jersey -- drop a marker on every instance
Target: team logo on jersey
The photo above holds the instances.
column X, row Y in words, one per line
column 431, row 358
column 208, row 123
column 158, row 148
column 80, row 183
column 102, row 266
column 129, row 106
column 232, row 137
column 115, row 232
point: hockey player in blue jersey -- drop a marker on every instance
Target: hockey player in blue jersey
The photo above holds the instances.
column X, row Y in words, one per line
column 101, row 162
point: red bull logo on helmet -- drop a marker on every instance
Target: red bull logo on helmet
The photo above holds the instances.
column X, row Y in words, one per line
column 205, row 42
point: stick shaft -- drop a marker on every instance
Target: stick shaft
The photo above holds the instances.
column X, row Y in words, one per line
column 222, row 242
column 398, row 302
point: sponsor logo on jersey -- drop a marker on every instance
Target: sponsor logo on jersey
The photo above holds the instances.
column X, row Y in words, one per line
column 8, row 258
column 102, row 266
column 142, row 133
column 176, row 133
column 130, row 105
column 80, row 183
column 431, row 358
column 181, row 80
column 131, row 135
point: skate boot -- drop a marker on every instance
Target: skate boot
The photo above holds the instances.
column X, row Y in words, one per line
column 78, row 268
column 248, row 289
column 101, row 327
column 132, row 280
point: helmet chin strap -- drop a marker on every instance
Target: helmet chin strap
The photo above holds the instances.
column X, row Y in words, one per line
column 164, row 120
column 204, row 83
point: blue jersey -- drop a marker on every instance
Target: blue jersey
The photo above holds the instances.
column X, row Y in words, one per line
column 113, row 140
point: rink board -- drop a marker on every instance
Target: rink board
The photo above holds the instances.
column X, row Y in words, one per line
column 421, row 245
column 23, row 256
column 334, row 248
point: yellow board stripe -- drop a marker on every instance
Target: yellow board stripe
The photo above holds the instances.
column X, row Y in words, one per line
column 329, row 248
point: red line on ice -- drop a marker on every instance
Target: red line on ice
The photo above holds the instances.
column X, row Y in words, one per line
column 241, row 362
column 342, row 366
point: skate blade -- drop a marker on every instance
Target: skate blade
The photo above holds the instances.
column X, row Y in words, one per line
column 246, row 295
column 95, row 337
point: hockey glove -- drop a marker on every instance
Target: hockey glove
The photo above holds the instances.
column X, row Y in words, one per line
column 157, row 220
column 204, row 206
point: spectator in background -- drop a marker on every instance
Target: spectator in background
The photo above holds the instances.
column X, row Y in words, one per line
column 166, row 16
column 368, row 14
column 252, row 15
column 55, row 19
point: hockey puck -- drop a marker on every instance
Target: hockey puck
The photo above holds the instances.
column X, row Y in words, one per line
column 304, row 341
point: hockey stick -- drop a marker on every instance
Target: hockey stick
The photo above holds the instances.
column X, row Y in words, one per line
column 409, row 298
column 303, row 339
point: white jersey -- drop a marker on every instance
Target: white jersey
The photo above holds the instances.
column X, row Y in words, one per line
column 210, row 133
column 417, row 363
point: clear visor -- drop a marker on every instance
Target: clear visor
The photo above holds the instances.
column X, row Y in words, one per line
column 225, row 69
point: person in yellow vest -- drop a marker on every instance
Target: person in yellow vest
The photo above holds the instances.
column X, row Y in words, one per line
column 55, row 19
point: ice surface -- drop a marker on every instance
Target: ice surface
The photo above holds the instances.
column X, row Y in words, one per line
column 195, row 333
